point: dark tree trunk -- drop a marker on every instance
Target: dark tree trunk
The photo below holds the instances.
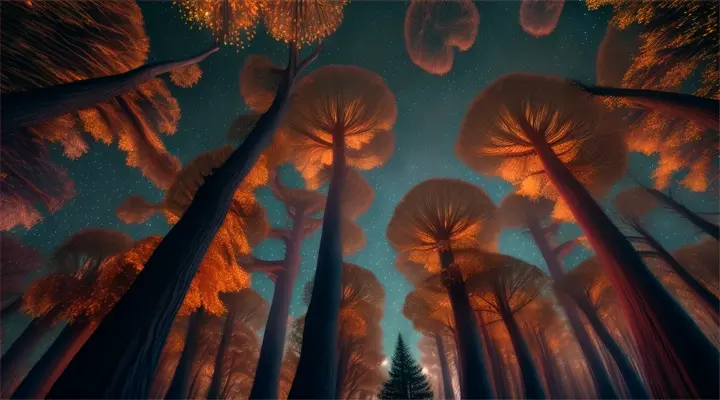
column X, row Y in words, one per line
column 11, row 308
column 444, row 369
column 694, row 218
column 701, row 110
column 217, row 377
column 471, row 364
column 496, row 362
column 601, row 378
column 550, row 368
column 267, row 373
column 192, row 391
column 181, row 379
column 12, row 363
column 120, row 358
column 32, row 107
column 531, row 380
column 634, row 383
column 51, row 364
column 316, row 371
column 678, row 359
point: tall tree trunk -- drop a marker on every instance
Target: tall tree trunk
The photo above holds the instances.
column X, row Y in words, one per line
column 701, row 110
column 181, row 379
column 632, row 379
column 694, row 218
column 678, row 359
column 192, row 391
column 705, row 296
column 530, row 379
column 474, row 382
column 267, row 373
column 444, row 369
column 11, row 308
column 316, row 371
column 550, row 367
column 217, row 377
column 497, row 372
column 32, row 107
column 601, row 378
column 120, row 358
column 12, row 363
column 51, row 364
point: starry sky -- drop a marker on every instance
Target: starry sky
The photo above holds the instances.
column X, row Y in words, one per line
column 430, row 111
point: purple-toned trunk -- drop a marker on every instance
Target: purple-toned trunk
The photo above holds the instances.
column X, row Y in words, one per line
column 120, row 358
column 471, row 364
column 217, row 377
column 267, row 373
column 316, row 371
column 694, row 218
column 32, row 107
column 496, row 362
column 444, row 369
column 51, row 364
column 179, row 387
column 679, row 361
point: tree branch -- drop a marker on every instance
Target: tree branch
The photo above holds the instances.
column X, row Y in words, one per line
column 310, row 58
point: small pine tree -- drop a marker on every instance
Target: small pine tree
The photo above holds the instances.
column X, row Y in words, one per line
column 407, row 380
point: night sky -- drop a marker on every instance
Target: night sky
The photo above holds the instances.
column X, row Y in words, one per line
column 430, row 111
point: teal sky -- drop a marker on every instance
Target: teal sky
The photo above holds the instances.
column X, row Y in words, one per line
column 430, row 111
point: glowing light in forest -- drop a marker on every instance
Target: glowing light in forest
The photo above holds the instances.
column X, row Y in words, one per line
column 303, row 21
column 232, row 22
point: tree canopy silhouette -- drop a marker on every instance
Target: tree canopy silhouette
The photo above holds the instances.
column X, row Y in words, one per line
column 540, row 17
column 433, row 28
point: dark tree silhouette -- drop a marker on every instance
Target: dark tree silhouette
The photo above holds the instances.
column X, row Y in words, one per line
column 546, row 129
column 435, row 219
column 407, row 380
column 434, row 27
column 540, row 17
column 337, row 116
column 17, row 264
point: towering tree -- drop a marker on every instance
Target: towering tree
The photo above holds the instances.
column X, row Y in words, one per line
column 407, row 380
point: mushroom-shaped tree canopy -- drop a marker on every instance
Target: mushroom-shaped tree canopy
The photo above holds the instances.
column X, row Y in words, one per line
column 540, row 17
column 414, row 272
column 615, row 54
column 259, row 81
column 518, row 112
column 428, row 308
column 302, row 21
column 517, row 211
column 232, row 22
column 441, row 214
column 434, row 27
column 340, row 104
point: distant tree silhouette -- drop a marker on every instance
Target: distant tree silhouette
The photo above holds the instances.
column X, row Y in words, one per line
column 434, row 27
column 407, row 380
column 540, row 17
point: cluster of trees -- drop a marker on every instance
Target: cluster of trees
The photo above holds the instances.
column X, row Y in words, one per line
column 175, row 316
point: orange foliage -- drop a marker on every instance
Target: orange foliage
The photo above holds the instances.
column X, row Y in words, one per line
column 516, row 111
column 303, row 21
column 516, row 211
column 540, row 17
column 434, row 27
column 83, row 252
column 186, row 76
column 136, row 210
column 232, row 22
column 259, row 81
column 441, row 213
column 589, row 279
column 428, row 308
column 701, row 260
column 339, row 102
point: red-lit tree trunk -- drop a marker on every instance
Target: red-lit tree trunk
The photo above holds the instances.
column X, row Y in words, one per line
column 531, row 381
column 267, row 373
column 701, row 110
column 679, row 361
column 194, row 387
column 120, row 358
column 51, row 364
column 444, row 369
column 550, row 368
column 317, row 367
column 179, row 387
column 470, row 363
column 700, row 222
column 496, row 362
column 12, row 363
column 601, row 378
column 217, row 377
column 32, row 107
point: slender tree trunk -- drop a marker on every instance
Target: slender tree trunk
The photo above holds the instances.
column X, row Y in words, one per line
column 267, row 373
column 444, row 369
column 181, row 379
column 701, row 110
column 217, row 377
column 706, row 297
column 678, row 359
column 11, row 308
column 601, row 378
column 32, row 107
column 694, row 218
column 531, row 380
column 51, row 364
column 192, row 391
column 471, row 364
column 632, row 379
column 496, row 366
column 120, row 358
column 316, row 371
column 13, row 362
column 550, row 367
